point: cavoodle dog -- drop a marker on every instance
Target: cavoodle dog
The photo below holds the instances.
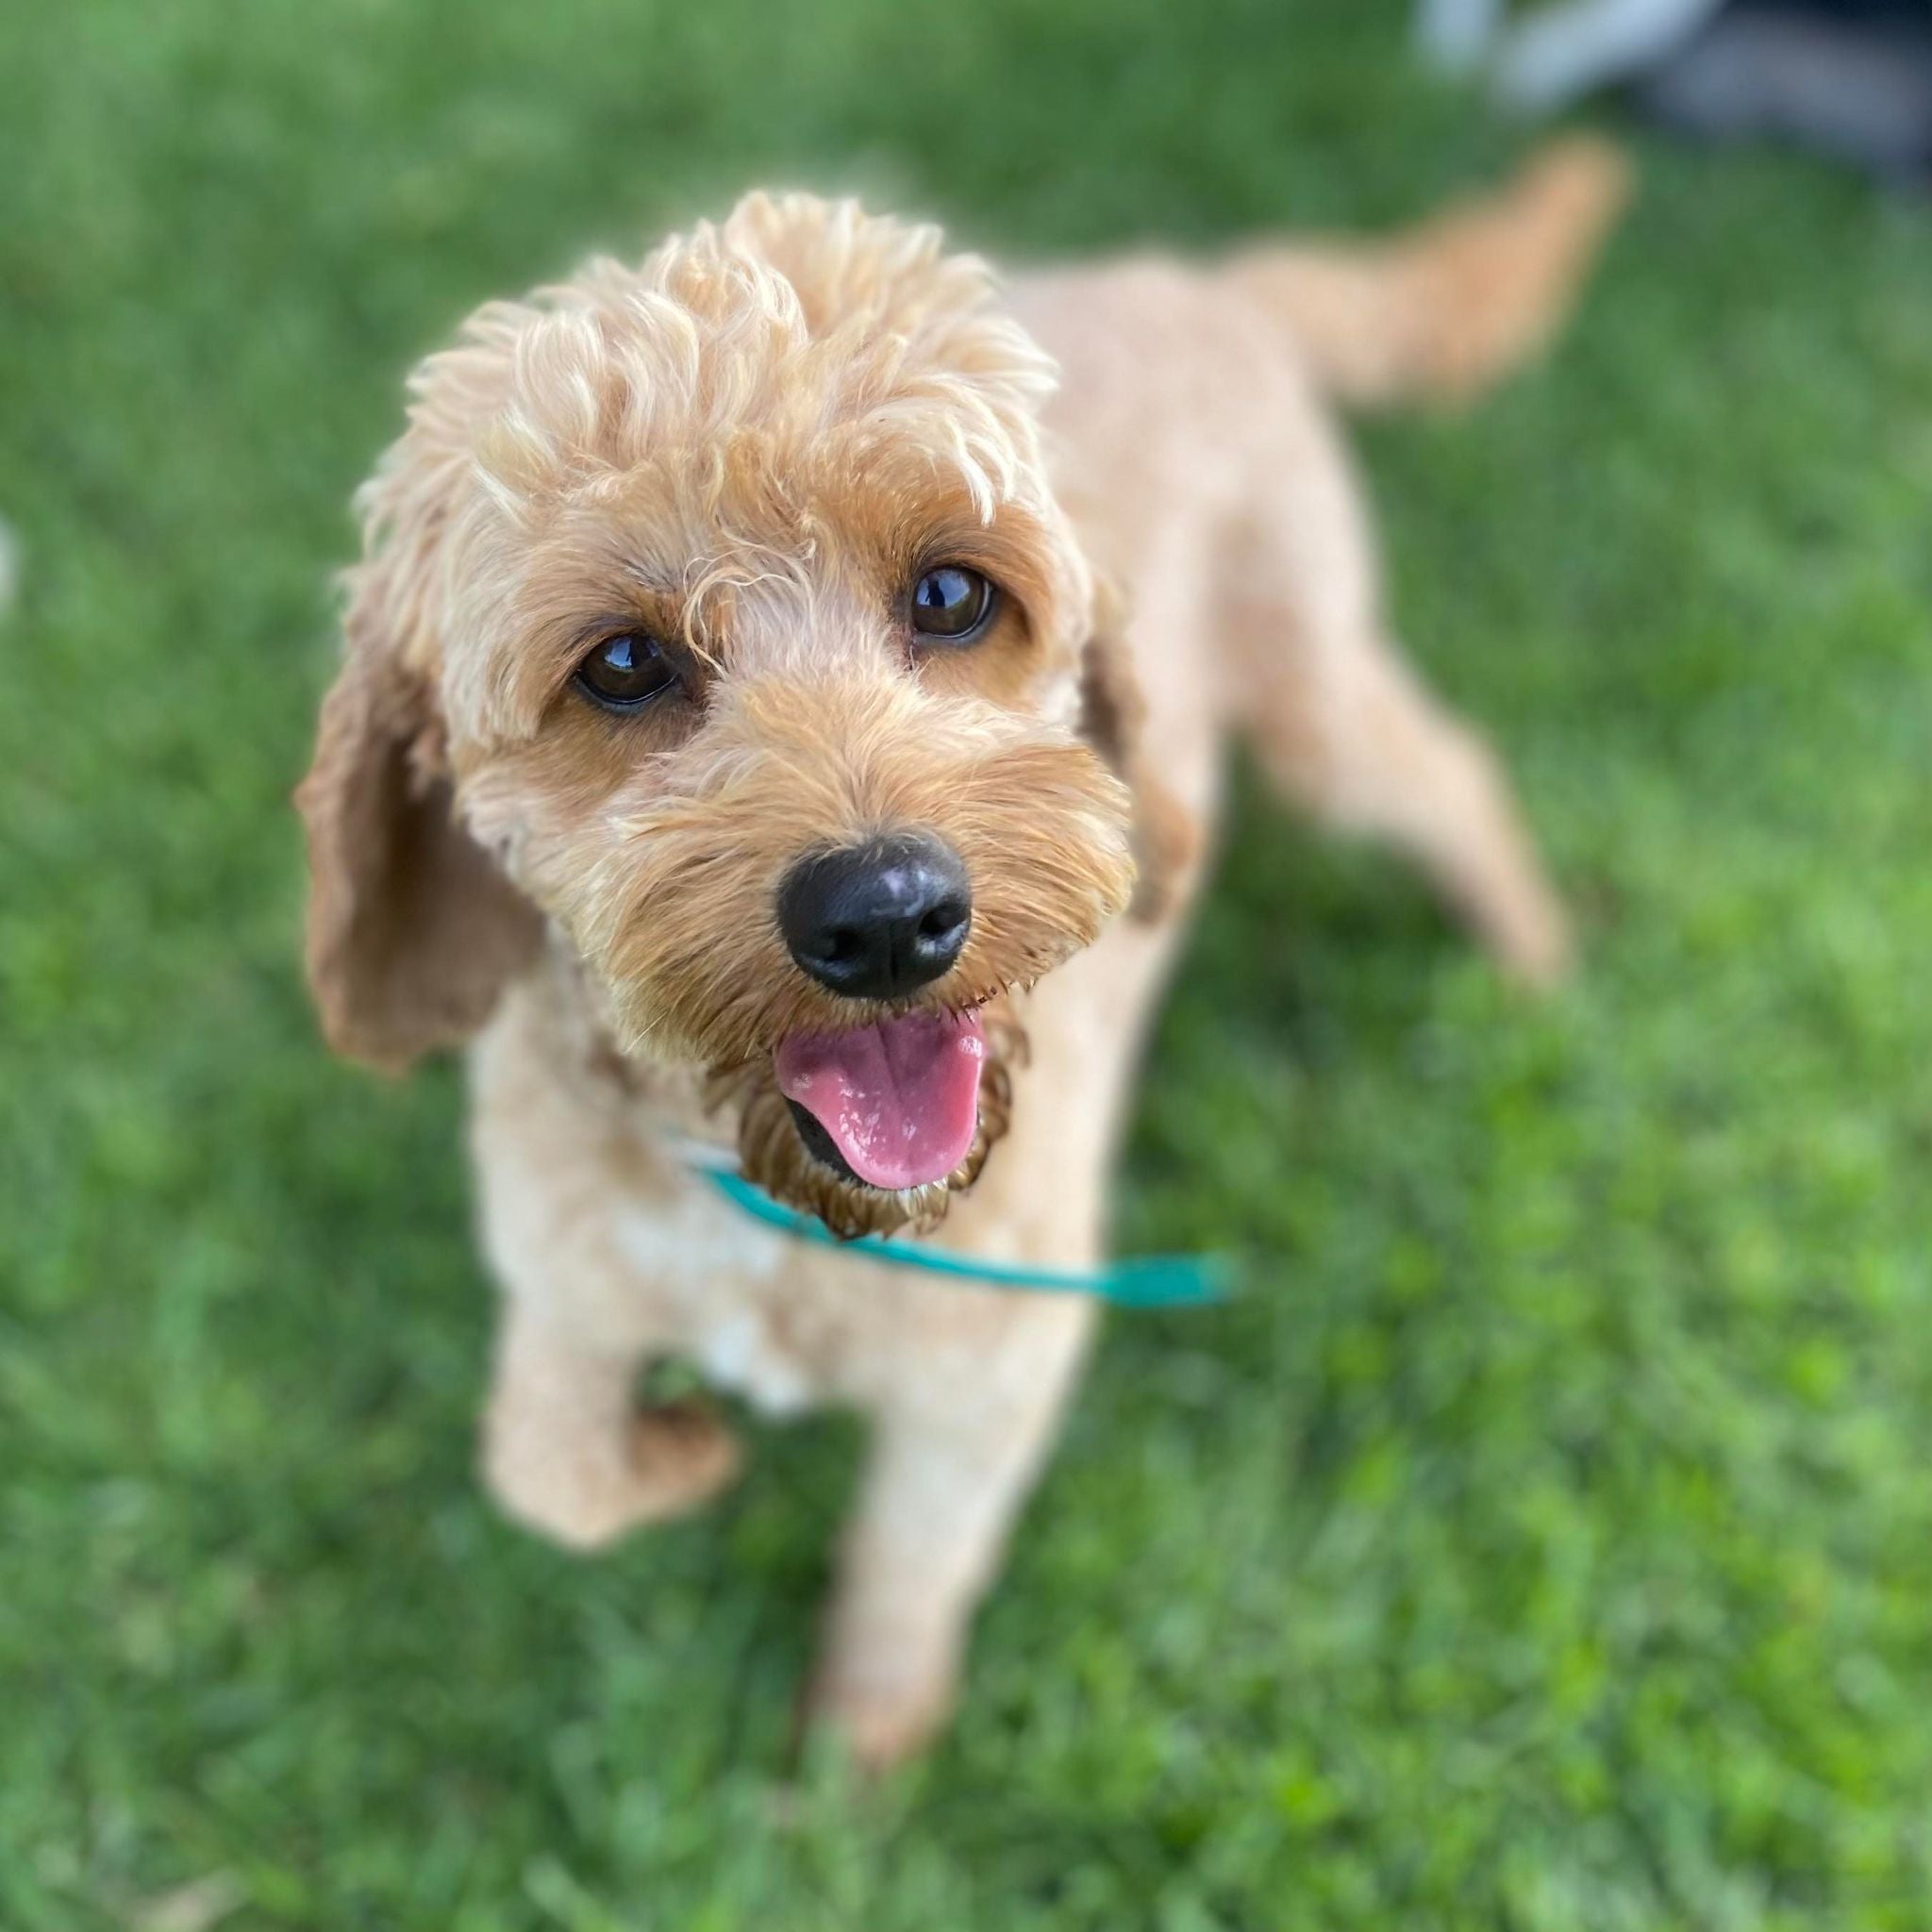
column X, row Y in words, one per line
column 782, row 706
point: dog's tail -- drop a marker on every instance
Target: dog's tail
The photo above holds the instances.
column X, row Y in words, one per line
column 1444, row 309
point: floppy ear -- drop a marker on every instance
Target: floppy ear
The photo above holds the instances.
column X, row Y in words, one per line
column 1113, row 719
column 413, row 930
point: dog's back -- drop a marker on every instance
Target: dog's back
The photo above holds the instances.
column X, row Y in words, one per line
column 1437, row 311
column 1198, row 452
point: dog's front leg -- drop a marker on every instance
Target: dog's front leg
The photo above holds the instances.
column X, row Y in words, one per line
column 568, row 1452
column 954, row 1451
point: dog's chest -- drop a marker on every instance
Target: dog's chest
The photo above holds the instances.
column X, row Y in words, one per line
column 728, row 1277
column 596, row 1213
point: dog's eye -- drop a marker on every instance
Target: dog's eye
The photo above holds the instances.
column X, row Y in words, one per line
column 626, row 671
column 951, row 603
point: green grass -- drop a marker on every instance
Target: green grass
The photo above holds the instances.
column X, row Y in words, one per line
column 1545, row 1541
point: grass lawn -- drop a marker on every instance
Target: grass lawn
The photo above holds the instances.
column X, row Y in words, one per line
column 1544, row 1541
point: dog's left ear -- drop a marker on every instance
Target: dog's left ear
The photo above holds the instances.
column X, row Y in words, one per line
column 1113, row 719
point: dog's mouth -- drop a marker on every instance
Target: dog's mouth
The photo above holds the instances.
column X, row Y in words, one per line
column 873, row 1129
column 893, row 1104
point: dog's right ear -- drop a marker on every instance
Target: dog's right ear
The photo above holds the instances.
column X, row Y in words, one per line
column 413, row 932
column 1113, row 719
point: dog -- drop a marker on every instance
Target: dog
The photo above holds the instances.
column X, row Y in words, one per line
column 780, row 715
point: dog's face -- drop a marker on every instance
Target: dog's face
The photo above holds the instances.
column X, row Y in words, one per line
column 720, row 614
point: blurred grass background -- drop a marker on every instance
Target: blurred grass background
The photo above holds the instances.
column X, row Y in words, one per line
column 1546, row 1539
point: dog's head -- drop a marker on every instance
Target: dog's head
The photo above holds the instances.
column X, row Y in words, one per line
column 719, row 612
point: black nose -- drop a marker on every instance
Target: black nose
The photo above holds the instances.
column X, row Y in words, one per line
column 880, row 919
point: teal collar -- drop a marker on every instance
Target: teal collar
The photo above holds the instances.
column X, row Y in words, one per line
column 1156, row 1281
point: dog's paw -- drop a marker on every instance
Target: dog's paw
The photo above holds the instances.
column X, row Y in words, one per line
column 1534, row 945
column 673, row 1459
column 684, row 1455
column 879, row 1720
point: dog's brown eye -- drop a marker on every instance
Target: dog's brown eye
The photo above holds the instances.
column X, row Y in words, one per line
column 627, row 670
column 951, row 603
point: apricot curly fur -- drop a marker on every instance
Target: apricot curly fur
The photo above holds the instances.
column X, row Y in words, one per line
column 748, row 446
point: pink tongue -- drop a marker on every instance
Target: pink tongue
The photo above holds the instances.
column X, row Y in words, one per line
column 900, row 1098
